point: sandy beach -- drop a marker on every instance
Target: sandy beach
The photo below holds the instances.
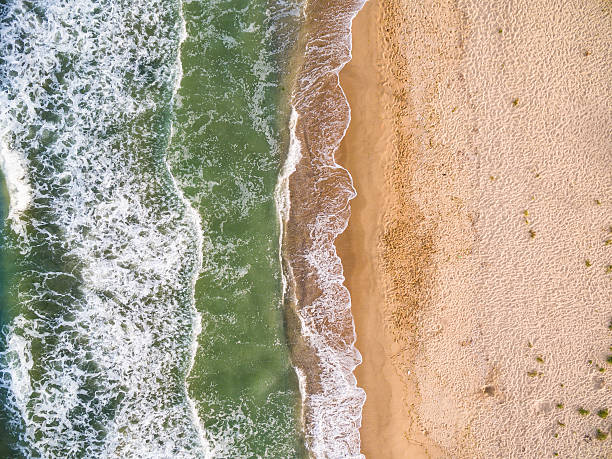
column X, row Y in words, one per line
column 478, row 251
column 364, row 151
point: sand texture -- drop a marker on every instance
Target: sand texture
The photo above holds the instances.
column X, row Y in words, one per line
column 479, row 250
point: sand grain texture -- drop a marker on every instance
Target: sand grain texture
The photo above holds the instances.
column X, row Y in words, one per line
column 483, row 165
column 387, row 427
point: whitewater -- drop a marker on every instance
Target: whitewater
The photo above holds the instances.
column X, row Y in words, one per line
column 169, row 281
column 95, row 360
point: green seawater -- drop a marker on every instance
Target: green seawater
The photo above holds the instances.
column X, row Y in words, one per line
column 97, row 318
column 230, row 122
column 96, row 313
column 6, row 267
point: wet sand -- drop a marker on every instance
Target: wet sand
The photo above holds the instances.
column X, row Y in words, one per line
column 476, row 254
column 384, row 415
column 387, row 427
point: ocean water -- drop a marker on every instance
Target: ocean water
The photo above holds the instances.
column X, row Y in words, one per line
column 100, row 321
column 163, row 293
column 225, row 155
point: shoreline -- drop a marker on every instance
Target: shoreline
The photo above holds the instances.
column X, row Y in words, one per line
column 388, row 429
column 319, row 323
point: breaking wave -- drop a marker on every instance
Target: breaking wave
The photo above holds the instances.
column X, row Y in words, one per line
column 95, row 359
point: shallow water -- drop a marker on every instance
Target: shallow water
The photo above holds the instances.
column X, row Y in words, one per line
column 319, row 191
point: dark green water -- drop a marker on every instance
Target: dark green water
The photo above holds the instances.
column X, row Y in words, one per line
column 225, row 155
column 6, row 267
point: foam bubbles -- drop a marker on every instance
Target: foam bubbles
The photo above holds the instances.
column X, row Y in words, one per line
column 14, row 169
column 95, row 363
column 313, row 202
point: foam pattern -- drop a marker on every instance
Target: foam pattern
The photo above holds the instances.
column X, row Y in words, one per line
column 320, row 190
column 95, row 361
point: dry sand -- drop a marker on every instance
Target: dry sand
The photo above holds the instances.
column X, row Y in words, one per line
column 476, row 255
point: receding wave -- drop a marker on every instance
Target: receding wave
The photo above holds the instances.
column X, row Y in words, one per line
column 94, row 359
column 313, row 200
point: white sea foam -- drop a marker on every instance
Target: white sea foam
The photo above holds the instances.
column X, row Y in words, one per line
column 14, row 168
column 282, row 195
column 334, row 408
column 95, row 364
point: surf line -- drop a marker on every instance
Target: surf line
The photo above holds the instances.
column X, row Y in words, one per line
column 196, row 222
column 312, row 197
